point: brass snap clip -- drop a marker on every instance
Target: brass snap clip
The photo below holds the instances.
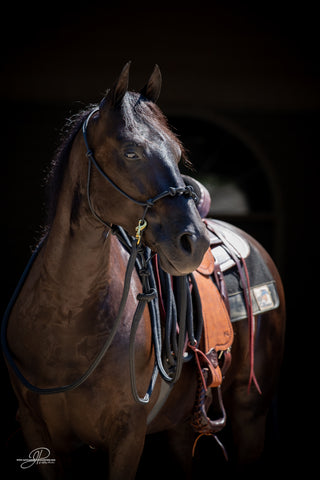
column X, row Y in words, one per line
column 139, row 229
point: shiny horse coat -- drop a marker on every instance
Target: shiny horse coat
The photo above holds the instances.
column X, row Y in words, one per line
column 70, row 299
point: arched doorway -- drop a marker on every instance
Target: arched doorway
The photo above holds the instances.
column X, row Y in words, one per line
column 241, row 189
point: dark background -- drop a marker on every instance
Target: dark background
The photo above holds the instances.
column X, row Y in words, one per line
column 240, row 85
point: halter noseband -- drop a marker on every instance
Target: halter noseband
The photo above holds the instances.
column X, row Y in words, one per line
column 188, row 190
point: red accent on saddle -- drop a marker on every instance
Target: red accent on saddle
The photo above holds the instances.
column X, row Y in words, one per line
column 210, row 362
column 244, row 277
column 252, row 376
column 157, row 278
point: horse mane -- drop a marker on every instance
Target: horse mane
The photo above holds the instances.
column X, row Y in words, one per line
column 59, row 162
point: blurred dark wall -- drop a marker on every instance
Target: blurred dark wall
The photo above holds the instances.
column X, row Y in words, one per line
column 249, row 69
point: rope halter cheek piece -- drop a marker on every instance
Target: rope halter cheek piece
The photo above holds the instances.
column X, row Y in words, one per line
column 187, row 190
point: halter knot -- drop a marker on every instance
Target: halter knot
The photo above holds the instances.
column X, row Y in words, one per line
column 173, row 191
column 147, row 296
column 89, row 154
column 189, row 191
column 144, row 272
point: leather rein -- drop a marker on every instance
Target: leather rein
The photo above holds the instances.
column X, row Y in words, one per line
column 179, row 312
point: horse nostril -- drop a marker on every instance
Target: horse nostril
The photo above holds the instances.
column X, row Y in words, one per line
column 186, row 242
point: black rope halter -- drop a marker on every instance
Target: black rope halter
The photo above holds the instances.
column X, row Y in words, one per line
column 187, row 190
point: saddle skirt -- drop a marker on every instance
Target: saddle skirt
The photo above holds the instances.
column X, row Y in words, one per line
column 224, row 246
column 217, row 334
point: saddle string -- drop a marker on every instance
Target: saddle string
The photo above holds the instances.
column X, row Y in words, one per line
column 245, row 281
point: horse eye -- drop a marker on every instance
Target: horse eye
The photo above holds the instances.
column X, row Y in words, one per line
column 132, row 155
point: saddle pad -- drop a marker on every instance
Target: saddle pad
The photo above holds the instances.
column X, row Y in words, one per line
column 263, row 290
column 264, row 298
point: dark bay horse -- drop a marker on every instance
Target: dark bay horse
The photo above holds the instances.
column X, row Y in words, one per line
column 70, row 298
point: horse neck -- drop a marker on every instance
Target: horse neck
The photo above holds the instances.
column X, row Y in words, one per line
column 77, row 250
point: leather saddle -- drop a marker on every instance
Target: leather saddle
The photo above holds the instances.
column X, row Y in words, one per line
column 228, row 246
column 219, row 232
column 233, row 281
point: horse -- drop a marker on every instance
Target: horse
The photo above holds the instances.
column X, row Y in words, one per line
column 119, row 166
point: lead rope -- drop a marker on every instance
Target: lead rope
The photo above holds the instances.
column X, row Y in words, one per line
column 99, row 357
column 168, row 360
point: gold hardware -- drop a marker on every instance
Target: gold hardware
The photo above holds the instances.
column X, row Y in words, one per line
column 139, row 229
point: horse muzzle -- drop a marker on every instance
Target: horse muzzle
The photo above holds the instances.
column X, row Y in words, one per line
column 183, row 254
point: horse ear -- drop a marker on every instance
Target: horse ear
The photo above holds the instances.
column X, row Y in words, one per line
column 153, row 87
column 117, row 92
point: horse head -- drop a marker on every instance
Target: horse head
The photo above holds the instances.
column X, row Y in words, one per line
column 133, row 147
